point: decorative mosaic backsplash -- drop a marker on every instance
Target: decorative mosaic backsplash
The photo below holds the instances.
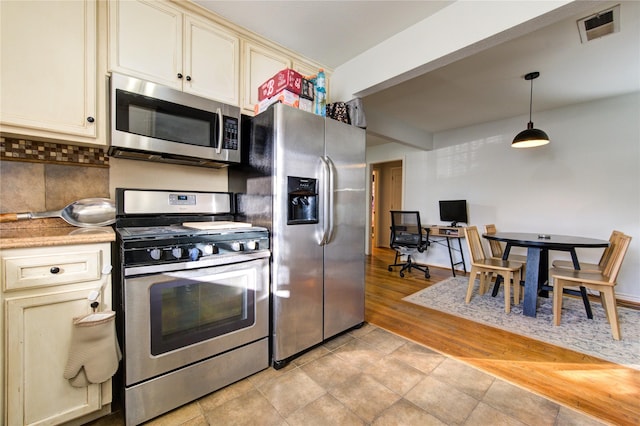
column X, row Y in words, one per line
column 17, row 149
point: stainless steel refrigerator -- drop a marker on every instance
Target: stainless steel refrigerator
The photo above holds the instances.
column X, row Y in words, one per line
column 305, row 182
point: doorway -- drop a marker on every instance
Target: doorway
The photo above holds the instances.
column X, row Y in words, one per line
column 386, row 195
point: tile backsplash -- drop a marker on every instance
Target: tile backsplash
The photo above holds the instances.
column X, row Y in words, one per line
column 20, row 149
column 40, row 176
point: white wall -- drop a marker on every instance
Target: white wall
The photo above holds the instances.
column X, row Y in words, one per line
column 586, row 182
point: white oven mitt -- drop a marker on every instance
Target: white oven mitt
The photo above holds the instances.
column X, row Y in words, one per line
column 94, row 352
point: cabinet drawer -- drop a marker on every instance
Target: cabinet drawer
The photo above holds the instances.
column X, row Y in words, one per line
column 48, row 269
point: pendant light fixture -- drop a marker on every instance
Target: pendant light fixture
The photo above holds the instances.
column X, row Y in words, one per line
column 530, row 137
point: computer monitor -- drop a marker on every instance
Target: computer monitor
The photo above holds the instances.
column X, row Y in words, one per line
column 453, row 211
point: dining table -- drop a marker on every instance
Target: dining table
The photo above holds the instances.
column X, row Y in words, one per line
column 538, row 247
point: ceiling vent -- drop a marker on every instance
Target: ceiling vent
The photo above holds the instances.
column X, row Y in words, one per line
column 599, row 24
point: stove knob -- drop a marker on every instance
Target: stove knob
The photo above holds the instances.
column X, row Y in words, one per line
column 155, row 253
column 252, row 245
column 194, row 254
column 177, row 252
column 237, row 246
column 208, row 249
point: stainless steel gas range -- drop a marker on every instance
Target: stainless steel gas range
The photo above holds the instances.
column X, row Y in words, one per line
column 192, row 295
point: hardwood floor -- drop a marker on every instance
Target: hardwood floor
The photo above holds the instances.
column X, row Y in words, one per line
column 604, row 390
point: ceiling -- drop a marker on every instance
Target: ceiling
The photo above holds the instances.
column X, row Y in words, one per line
column 328, row 32
column 484, row 87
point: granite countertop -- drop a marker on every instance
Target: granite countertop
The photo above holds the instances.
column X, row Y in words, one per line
column 50, row 232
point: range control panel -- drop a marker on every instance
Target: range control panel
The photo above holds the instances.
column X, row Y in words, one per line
column 191, row 248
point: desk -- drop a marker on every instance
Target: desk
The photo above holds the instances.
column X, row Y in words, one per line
column 449, row 232
column 538, row 258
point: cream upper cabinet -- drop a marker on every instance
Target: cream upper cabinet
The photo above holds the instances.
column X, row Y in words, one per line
column 145, row 40
column 211, row 62
column 49, row 69
column 43, row 289
column 260, row 64
column 157, row 41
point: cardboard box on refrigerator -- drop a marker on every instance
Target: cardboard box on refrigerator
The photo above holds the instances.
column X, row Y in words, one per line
column 307, row 90
column 285, row 96
column 305, row 104
column 287, row 79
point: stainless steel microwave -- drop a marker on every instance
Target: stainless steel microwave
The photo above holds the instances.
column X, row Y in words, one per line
column 156, row 123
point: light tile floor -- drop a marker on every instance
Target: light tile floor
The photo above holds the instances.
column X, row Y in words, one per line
column 369, row 377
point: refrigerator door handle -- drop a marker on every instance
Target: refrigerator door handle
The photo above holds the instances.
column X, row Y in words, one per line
column 331, row 191
column 326, row 205
column 329, row 183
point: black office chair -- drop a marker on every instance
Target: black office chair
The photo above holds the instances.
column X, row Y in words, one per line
column 408, row 238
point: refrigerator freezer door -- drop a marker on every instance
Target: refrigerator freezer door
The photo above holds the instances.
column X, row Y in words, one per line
column 297, row 254
column 344, row 252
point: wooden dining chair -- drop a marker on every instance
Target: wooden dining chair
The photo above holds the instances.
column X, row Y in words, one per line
column 497, row 252
column 588, row 267
column 591, row 267
column 485, row 266
column 496, row 247
column 604, row 282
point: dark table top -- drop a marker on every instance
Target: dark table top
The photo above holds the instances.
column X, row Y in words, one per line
column 530, row 239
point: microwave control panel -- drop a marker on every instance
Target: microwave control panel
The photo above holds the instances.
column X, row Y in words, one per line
column 230, row 133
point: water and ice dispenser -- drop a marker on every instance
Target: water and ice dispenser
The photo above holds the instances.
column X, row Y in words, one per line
column 303, row 200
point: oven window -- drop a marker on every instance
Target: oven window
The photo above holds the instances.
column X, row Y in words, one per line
column 155, row 118
column 187, row 311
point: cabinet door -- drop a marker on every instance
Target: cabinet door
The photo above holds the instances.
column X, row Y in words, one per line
column 211, row 62
column 145, row 40
column 260, row 64
column 38, row 337
column 48, row 67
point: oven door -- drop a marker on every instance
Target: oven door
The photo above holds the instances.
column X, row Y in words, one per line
column 173, row 319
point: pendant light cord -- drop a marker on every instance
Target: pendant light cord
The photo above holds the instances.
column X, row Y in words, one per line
column 531, row 101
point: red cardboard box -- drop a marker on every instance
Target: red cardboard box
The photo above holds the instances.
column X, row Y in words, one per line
column 287, row 79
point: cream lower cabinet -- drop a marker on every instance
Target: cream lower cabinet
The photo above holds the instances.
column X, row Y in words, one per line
column 43, row 290
column 156, row 41
column 48, row 65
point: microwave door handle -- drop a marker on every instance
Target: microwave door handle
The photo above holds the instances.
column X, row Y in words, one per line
column 220, row 126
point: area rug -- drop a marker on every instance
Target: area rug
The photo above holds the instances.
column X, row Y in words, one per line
column 576, row 331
